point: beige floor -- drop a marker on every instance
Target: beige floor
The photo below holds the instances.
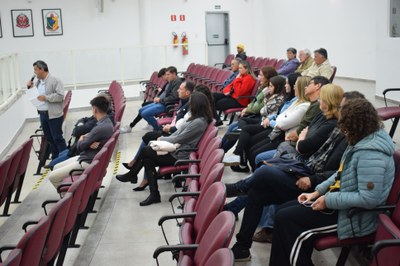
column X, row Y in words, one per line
column 122, row 232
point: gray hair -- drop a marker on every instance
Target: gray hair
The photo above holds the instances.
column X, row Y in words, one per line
column 306, row 51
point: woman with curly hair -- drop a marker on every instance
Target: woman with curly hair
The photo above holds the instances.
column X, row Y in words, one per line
column 363, row 180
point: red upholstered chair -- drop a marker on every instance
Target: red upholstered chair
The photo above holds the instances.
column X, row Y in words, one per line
column 208, row 206
column 221, row 257
column 21, row 170
column 250, row 60
column 32, row 242
column 386, row 250
column 390, row 112
column 218, row 235
column 218, row 84
column 9, row 183
column 332, row 241
column 334, row 69
column 279, row 63
column 227, row 62
column 4, row 168
column 67, row 101
column 13, row 259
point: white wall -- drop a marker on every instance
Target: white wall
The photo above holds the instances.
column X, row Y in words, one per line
column 388, row 59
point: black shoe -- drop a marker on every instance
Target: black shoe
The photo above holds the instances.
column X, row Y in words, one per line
column 232, row 190
column 241, row 254
column 240, row 168
column 234, row 135
column 140, row 188
column 126, row 165
column 128, row 177
column 219, row 123
column 154, row 197
column 47, row 166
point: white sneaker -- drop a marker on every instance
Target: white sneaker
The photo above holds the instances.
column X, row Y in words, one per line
column 147, row 127
column 231, row 160
column 125, row 129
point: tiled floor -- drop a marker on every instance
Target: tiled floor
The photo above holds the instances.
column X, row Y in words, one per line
column 122, row 232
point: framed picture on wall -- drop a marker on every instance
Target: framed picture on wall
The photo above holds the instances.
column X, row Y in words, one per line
column 52, row 22
column 22, row 22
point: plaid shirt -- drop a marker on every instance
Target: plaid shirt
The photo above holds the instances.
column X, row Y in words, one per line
column 318, row 159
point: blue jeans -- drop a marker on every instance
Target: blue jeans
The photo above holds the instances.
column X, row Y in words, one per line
column 62, row 156
column 149, row 111
column 264, row 156
column 52, row 129
column 228, row 144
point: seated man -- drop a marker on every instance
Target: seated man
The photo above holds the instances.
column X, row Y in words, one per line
column 305, row 60
column 240, row 51
column 168, row 97
column 321, row 65
column 89, row 144
column 235, row 71
column 291, row 64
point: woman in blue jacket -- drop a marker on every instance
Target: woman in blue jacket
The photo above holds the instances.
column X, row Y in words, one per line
column 364, row 180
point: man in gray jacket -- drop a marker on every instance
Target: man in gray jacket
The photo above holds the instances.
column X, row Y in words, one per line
column 51, row 94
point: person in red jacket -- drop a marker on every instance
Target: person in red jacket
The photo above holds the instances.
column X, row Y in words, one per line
column 242, row 85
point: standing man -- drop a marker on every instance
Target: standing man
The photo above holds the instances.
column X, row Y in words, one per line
column 51, row 94
column 240, row 51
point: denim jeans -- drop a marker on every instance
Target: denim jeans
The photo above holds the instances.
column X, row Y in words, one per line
column 149, row 111
column 264, row 156
column 228, row 144
column 52, row 129
column 62, row 156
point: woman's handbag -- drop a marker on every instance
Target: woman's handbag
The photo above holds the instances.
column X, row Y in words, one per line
column 290, row 166
column 163, row 147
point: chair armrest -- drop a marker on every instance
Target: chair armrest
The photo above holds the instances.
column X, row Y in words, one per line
column 44, row 204
column 183, row 194
column 36, row 135
column 245, row 97
column 187, row 149
column 28, row 223
column 354, row 211
column 186, row 161
column 175, row 216
column 3, row 248
column 180, row 177
column 63, row 185
column 390, row 89
column 75, row 170
column 383, row 244
column 162, row 249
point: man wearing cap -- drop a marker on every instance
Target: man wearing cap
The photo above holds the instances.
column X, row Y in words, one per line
column 291, row 64
column 241, row 53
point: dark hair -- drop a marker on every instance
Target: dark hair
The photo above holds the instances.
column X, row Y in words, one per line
column 268, row 72
column 189, row 85
column 161, row 72
column 350, row 95
column 41, row 65
column 323, row 52
column 291, row 80
column 279, row 84
column 206, row 91
column 291, row 49
column 171, row 69
column 200, row 107
column 101, row 102
column 320, row 80
column 358, row 119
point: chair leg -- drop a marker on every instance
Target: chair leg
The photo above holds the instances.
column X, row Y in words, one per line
column 74, row 232
column 18, row 192
column 63, row 250
column 8, row 201
column 394, row 126
column 43, row 158
column 344, row 253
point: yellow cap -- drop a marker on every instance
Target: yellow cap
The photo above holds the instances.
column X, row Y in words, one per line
column 240, row 45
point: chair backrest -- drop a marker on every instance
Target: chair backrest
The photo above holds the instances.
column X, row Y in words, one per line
column 76, row 189
column 67, row 101
column 228, row 59
column 4, row 168
column 32, row 242
column 250, row 60
column 13, row 259
column 209, row 206
column 395, row 189
column 218, row 235
column 23, row 164
column 91, row 174
column 58, row 214
column 210, row 132
column 221, row 257
column 213, row 176
column 12, row 171
column 333, row 74
column 279, row 63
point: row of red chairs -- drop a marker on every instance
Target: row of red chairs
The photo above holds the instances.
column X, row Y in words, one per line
column 256, row 63
column 151, row 86
column 12, row 174
column 47, row 240
column 118, row 100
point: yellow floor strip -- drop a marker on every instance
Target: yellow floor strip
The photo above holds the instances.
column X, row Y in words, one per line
column 41, row 179
column 117, row 160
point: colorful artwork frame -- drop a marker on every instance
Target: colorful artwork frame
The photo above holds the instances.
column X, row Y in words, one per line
column 52, row 22
column 22, row 22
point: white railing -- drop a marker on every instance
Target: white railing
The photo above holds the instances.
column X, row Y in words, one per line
column 80, row 68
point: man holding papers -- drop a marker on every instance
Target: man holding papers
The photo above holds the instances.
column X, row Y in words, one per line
column 51, row 95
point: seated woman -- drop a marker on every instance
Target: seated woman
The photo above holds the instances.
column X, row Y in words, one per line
column 241, row 86
column 188, row 136
column 277, row 183
column 251, row 114
column 363, row 180
column 288, row 120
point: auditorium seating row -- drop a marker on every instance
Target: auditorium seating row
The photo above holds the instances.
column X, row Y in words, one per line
column 46, row 241
column 12, row 174
column 256, row 63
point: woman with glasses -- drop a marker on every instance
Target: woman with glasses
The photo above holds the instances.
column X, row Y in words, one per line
column 363, row 180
